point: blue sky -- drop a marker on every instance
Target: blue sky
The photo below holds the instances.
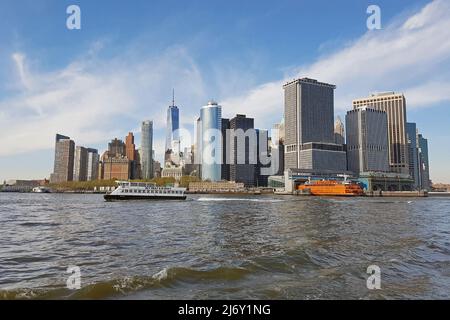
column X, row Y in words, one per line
column 100, row 82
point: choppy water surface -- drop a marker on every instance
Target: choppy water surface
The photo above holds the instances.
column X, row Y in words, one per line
column 223, row 247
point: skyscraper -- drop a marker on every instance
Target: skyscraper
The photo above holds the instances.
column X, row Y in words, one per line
column 172, row 135
column 395, row 107
column 264, row 159
column 309, row 129
column 243, row 150
column 80, row 166
column 367, row 141
column 64, row 159
column 92, row 165
column 116, row 148
column 211, row 142
column 226, row 149
column 413, row 157
column 147, row 149
column 424, row 163
column 132, row 155
column 339, row 131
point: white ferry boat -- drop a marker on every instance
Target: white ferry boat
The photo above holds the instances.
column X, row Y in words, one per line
column 144, row 191
column 41, row 190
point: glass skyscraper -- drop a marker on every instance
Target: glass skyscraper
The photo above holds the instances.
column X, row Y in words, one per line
column 211, row 144
column 147, row 149
column 173, row 125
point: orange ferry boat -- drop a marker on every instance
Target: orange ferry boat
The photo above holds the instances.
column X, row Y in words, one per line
column 332, row 188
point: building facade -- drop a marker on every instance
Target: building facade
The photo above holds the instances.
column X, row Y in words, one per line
column 367, row 140
column 243, row 150
column 226, row 149
column 175, row 172
column 93, row 163
column 80, row 166
column 309, row 127
column 211, row 141
column 147, row 149
column 339, row 131
column 425, row 182
column 395, row 107
column 64, row 159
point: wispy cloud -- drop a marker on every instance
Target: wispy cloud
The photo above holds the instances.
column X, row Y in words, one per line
column 410, row 56
column 89, row 98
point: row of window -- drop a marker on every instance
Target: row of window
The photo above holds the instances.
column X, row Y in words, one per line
column 153, row 191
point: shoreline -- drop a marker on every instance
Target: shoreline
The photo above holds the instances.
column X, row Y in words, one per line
column 384, row 194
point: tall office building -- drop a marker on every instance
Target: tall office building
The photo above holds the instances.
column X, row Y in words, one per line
column 211, row 141
column 92, row 164
column 264, row 159
column 132, row 155
column 80, row 166
column 243, row 150
column 424, row 163
column 367, row 141
column 64, row 159
column 147, row 149
column 226, row 149
column 172, row 135
column 395, row 107
column 309, row 129
column 339, row 131
column 413, row 157
column 114, row 164
column 116, row 148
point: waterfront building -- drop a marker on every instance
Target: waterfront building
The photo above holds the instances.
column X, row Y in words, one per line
column 339, row 131
column 115, row 168
column 367, row 141
column 64, row 159
column 211, row 141
column 395, row 107
column 218, row 186
column 175, row 172
column 92, row 164
column 425, row 182
column 309, row 127
column 413, row 147
column 147, row 149
column 243, row 150
column 80, row 166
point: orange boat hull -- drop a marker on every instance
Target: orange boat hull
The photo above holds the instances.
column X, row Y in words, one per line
column 328, row 188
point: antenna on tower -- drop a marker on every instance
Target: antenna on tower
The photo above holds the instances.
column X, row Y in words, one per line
column 173, row 97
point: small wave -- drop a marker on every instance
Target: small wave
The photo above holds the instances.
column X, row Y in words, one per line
column 167, row 277
column 238, row 199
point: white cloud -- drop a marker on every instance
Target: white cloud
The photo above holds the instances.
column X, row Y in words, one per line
column 411, row 56
column 93, row 100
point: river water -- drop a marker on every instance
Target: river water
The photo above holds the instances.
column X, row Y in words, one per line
column 224, row 247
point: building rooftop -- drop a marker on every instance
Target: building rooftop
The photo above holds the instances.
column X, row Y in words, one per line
column 309, row 81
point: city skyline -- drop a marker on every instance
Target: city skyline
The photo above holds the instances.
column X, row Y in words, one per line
column 119, row 109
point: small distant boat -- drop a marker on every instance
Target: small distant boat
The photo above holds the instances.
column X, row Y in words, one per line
column 41, row 190
column 331, row 188
column 144, row 191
